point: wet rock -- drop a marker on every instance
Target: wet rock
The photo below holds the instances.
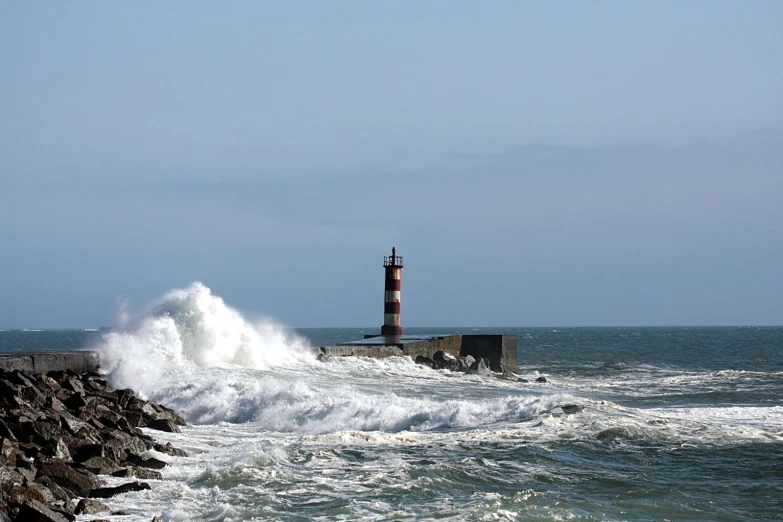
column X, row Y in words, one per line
column 88, row 506
column 140, row 473
column 163, row 425
column 541, row 379
column 480, row 367
column 168, row 449
column 122, row 443
column 135, row 418
column 151, row 462
column 465, row 363
column 425, row 361
column 445, row 361
column 35, row 511
column 100, row 465
column 123, row 488
column 67, row 477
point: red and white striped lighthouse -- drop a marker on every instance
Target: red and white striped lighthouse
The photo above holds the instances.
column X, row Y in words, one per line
column 391, row 305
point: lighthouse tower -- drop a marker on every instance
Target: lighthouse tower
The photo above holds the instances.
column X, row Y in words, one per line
column 391, row 307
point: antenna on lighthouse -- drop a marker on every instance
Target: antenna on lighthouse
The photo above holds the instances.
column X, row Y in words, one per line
column 391, row 305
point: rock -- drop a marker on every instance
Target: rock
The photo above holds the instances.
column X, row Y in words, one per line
column 124, row 396
column 168, row 449
column 151, row 462
column 465, row 363
column 445, row 361
column 163, row 425
column 122, row 443
column 480, row 367
column 88, row 506
column 6, row 432
column 134, row 418
column 57, row 449
column 157, row 519
column 8, row 452
column 67, row 477
column 75, row 401
column 88, row 451
column 72, row 424
column 35, row 511
column 541, row 379
column 140, row 473
column 67, row 512
column 123, row 488
column 20, row 494
column 39, row 432
column 59, row 492
column 28, row 474
column 425, row 361
column 100, row 465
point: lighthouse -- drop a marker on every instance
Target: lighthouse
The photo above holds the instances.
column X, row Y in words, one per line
column 391, row 306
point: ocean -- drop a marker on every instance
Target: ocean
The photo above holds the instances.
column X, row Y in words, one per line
column 680, row 423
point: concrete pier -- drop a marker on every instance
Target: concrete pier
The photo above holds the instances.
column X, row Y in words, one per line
column 43, row 362
column 499, row 350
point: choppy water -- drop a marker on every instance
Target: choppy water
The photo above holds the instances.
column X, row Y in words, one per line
column 634, row 424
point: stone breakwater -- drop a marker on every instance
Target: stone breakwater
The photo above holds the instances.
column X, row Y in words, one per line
column 60, row 431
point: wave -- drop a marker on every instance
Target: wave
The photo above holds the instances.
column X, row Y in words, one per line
column 190, row 327
column 194, row 353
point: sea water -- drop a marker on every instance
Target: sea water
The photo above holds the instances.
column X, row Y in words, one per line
column 633, row 423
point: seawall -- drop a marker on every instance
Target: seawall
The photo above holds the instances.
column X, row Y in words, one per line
column 499, row 350
column 44, row 362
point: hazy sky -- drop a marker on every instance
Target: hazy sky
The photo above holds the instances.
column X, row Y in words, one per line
column 547, row 163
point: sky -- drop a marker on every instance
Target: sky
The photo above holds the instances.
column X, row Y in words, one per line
column 606, row 163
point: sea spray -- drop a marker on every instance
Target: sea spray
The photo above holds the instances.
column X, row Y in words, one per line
column 208, row 362
column 192, row 327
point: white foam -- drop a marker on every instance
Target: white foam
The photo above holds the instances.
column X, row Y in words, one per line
column 190, row 327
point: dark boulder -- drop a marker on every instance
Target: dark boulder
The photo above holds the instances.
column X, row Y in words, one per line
column 123, row 488
column 8, row 452
column 67, row 477
column 168, row 449
column 480, row 367
column 445, row 361
column 60, row 493
column 465, row 363
column 20, row 494
column 425, row 361
column 151, row 462
column 541, row 379
column 163, row 425
column 35, row 511
column 88, row 506
column 140, row 473
column 100, row 465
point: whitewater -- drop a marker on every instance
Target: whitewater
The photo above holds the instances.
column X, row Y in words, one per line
column 634, row 424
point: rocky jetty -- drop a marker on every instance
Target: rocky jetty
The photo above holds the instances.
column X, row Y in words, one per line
column 60, row 431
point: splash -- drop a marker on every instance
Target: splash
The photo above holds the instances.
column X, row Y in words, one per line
column 192, row 328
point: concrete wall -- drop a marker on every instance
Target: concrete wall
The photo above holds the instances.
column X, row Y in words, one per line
column 43, row 362
column 500, row 350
